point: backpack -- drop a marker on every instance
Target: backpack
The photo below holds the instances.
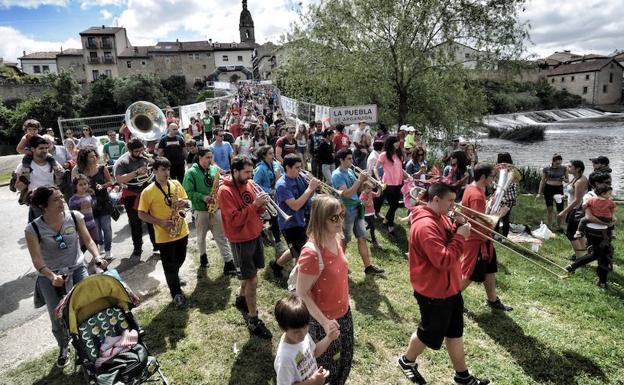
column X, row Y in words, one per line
column 292, row 277
column 36, row 228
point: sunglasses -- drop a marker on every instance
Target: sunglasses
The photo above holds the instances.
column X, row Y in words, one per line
column 60, row 241
column 336, row 217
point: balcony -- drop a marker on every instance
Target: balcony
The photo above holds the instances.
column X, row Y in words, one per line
column 94, row 60
column 92, row 45
column 108, row 60
column 107, row 44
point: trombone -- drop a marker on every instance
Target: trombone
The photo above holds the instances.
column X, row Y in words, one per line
column 323, row 187
column 271, row 207
column 487, row 222
column 357, row 171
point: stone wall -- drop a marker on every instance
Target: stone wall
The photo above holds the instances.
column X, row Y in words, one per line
column 20, row 91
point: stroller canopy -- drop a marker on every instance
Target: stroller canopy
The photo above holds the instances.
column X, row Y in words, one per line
column 91, row 295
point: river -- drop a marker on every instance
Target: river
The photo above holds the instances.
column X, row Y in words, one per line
column 575, row 139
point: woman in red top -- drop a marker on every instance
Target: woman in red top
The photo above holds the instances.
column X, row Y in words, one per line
column 323, row 286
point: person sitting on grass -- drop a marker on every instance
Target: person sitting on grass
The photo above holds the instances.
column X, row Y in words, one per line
column 295, row 360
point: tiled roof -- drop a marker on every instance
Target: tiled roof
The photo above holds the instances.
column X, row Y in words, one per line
column 40, row 55
column 71, row 52
column 195, row 46
column 103, row 30
column 578, row 67
column 136, row 51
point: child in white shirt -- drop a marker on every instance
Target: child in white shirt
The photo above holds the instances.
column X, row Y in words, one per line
column 295, row 360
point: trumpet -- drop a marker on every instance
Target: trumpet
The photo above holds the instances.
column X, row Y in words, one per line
column 271, row 206
column 324, row 187
column 488, row 221
column 357, row 171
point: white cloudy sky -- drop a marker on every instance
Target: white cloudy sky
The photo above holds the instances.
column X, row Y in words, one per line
column 35, row 25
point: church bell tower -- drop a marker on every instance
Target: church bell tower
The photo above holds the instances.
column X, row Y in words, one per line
column 246, row 26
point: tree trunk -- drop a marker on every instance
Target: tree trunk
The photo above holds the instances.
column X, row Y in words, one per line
column 402, row 95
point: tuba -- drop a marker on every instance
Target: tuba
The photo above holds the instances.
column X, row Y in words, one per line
column 146, row 121
column 507, row 174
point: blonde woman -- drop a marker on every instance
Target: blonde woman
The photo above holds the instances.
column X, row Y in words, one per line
column 323, row 286
column 302, row 143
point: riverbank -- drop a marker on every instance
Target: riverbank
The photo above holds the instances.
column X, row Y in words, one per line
column 561, row 331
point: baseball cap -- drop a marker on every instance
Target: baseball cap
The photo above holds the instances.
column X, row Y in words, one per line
column 601, row 160
column 410, row 129
column 403, row 128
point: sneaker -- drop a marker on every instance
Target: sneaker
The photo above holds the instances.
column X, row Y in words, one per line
column 241, row 303
column 258, row 329
column 391, row 232
column 63, row 358
column 410, row 369
column 229, row 268
column 108, row 256
column 498, row 305
column 203, row 260
column 179, row 301
column 470, row 380
column 572, row 257
column 570, row 269
column 373, row 270
column 578, row 235
column 277, row 269
column 602, row 285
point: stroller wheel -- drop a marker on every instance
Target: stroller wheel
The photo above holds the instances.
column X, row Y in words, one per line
column 87, row 377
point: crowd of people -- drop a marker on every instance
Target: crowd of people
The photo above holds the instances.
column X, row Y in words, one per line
column 255, row 180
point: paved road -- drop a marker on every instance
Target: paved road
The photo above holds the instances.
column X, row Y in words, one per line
column 17, row 276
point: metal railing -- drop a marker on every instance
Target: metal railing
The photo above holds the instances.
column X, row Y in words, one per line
column 94, row 60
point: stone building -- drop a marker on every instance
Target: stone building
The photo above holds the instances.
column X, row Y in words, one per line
column 72, row 60
column 597, row 80
column 39, row 63
column 101, row 47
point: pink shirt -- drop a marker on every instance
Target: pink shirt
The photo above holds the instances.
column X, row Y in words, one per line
column 604, row 208
column 368, row 198
column 393, row 171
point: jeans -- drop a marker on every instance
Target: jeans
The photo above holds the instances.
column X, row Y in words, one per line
column 172, row 255
column 104, row 231
column 136, row 225
column 52, row 295
column 212, row 222
column 393, row 195
column 327, row 170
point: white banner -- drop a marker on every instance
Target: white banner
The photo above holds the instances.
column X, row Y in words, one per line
column 353, row 114
column 289, row 106
column 322, row 113
column 222, row 85
column 269, row 82
column 189, row 111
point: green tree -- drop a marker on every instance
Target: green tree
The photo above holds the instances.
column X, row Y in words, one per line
column 66, row 92
column 139, row 88
column 399, row 54
column 100, row 100
column 176, row 89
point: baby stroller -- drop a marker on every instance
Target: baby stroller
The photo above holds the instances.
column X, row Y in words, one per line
column 99, row 307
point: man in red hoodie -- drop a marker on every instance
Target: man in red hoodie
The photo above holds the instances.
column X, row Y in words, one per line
column 240, row 212
column 435, row 249
column 479, row 259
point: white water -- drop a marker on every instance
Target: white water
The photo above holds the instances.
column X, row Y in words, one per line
column 520, row 119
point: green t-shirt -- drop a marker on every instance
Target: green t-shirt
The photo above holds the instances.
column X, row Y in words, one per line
column 208, row 124
column 114, row 151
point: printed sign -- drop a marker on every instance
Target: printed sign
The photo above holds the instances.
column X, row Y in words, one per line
column 350, row 115
column 289, row 106
column 189, row 111
column 222, row 85
column 322, row 113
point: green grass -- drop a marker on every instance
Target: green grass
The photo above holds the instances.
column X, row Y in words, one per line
column 5, row 177
column 560, row 332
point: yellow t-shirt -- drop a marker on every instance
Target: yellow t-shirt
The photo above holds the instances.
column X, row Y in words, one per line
column 153, row 202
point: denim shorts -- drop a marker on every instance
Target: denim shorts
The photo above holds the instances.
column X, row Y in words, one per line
column 353, row 221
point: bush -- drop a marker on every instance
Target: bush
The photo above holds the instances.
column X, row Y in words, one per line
column 175, row 87
column 531, row 178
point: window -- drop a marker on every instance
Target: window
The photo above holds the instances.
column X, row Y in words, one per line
column 553, row 80
column 45, row 69
column 109, row 73
column 611, row 77
column 584, row 90
column 96, row 74
column 611, row 65
column 240, row 58
column 562, row 79
column 586, row 77
column 108, row 55
column 93, row 54
column 193, row 56
column 129, row 63
column 204, row 66
column 225, row 58
column 37, row 69
column 572, row 79
column 467, row 55
column 143, row 63
column 604, row 89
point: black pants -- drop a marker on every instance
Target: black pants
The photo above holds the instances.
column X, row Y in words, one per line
column 378, row 202
column 172, row 255
column 136, row 225
column 370, row 225
column 275, row 229
column 393, row 195
column 177, row 172
column 503, row 225
column 602, row 251
column 316, row 168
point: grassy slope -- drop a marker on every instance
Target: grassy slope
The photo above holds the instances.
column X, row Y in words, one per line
column 561, row 331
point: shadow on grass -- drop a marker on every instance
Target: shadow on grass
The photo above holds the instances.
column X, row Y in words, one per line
column 367, row 299
column 166, row 329
column 540, row 362
column 257, row 354
column 57, row 376
column 210, row 295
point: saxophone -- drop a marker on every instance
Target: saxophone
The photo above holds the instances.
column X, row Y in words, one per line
column 178, row 213
column 214, row 205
